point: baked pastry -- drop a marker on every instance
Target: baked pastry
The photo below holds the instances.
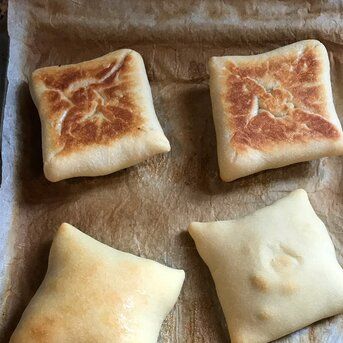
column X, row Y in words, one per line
column 97, row 116
column 273, row 109
column 94, row 293
column 275, row 270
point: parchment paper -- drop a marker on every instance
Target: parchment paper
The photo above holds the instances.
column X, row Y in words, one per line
column 146, row 209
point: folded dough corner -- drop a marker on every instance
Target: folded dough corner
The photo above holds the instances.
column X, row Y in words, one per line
column 275, row 270
column 92, row 292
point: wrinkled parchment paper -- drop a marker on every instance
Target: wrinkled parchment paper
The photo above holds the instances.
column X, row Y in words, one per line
column 146, row 209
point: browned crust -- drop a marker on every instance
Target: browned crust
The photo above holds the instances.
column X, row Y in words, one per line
column 98, row 112
column 294, row 111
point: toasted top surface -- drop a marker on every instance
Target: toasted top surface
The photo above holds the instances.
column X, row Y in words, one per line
column 91, row 102
column 277, row 97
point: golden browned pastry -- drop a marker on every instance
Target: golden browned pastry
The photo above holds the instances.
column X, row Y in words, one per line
column 94, row 293
column 97, row 116
column 273, row 109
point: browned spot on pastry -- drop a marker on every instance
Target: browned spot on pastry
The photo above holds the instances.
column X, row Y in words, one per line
column 289, row 288
column 280, row 100
column 282, row 262
column 264, row 315
column 63, row 79
column 260, row 283
column 126, row 67
column 42, row 329
column 286, row 260
column 55, row 103
column 90, row 106
column 101, row 72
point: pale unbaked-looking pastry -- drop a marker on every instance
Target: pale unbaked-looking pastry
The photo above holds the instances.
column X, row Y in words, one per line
column 275, row 270
column 94, row 293
column 273, row 109
column 97, row 116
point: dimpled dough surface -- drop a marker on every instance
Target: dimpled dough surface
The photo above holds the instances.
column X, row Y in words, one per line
column 275, row 270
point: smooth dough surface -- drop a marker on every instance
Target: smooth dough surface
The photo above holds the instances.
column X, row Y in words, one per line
column 275, row 270
column 97, row 116
column 273, row 109
column 94, row 293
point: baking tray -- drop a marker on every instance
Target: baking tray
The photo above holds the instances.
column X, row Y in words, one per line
column 4, row 46
column 146, row 209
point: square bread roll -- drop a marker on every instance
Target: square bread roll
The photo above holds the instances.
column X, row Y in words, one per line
column 275, row 270
column 97, row 116
column 273, row 109
column 94, row 293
